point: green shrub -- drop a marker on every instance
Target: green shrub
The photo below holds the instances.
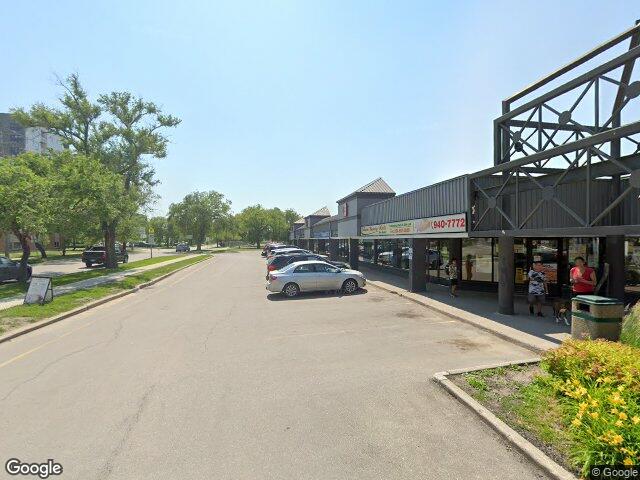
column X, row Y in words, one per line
column 599, row 382
column 631, row 327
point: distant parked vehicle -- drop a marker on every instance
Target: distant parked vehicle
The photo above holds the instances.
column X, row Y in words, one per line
column 314, row 276
column 9, row 270
column 270, row 246
column 287, row 251
column 97, row 255
column 183, row 247
column 281, row 261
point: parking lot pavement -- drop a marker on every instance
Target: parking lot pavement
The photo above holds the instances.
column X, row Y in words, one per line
column 206, row 376
column 54, row 268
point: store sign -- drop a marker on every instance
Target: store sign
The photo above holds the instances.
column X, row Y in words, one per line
column 444, row 224
column 321, row 235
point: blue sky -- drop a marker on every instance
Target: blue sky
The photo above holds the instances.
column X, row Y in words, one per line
column 296, row 104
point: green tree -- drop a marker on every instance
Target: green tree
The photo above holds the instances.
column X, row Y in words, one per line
column 159, row 226
column 122, row 131
column 253, row 223
column 25, row 200
column 196, row 213
column 83, row 192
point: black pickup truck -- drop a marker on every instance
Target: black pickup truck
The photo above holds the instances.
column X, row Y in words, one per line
column 97, row 255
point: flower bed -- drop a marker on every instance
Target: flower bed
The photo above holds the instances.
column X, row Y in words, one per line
column 581, row 405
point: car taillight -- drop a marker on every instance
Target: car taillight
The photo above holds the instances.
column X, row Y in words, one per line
column 271, row 267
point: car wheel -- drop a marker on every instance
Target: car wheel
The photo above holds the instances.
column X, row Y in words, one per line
column 349, row 286
column 291, row 290
column 88, row 264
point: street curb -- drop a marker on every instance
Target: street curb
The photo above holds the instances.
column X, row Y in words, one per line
column 48, row 321
column 532, row 452
column 435, row 305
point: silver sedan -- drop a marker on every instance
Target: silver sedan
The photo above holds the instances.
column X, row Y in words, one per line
column 311, row 276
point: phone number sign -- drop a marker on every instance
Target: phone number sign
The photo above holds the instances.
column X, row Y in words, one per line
column 455, row 223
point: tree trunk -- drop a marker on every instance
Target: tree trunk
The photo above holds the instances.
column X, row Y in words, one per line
column 26, row 252
column 41, row 249
column 110, row 245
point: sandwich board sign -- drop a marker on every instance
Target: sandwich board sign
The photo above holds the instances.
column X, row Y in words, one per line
column 40, row 291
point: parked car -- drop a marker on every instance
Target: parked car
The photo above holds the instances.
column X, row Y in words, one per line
column 269, row 246
column 287, row 251
column 313, row 276
column 97, row 255
column 9, row 269
column 280, row 261
column 183, row 247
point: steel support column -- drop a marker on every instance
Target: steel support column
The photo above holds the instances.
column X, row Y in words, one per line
column 354, row 253
column 418, row 265
column 506, row 268
column 615, row 259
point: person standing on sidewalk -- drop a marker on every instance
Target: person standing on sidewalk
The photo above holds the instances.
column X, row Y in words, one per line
column 452, row 272
column 583, row 278
column 537, row 287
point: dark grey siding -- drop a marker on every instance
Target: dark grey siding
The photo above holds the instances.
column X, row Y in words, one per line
column 443, row 198
column 551, row 215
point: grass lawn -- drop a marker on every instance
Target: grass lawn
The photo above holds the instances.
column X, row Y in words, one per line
column 24, row 314
column 522, row 397
column 12, row 289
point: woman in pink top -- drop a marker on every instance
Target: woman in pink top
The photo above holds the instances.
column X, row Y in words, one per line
column 583, row 278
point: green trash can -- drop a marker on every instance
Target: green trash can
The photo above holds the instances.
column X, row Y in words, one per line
column 596, row 317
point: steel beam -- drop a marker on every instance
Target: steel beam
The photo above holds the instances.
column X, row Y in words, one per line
column 596, row 139
column 575, row 63
column 620, row 60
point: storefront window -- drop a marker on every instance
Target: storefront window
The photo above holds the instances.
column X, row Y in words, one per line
column 477, row 259
column 632, row 265
column 343, row 250
column 366, row 253
column 388, row 254
column 587, row 248
column 546, row 251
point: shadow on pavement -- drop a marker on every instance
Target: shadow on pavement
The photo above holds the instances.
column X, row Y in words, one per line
column 484, row 304
column 277, row 297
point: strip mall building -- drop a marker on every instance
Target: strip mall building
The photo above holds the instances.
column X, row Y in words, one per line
column 565, row 182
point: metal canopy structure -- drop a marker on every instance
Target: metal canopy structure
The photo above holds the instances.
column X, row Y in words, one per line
column 570, row 157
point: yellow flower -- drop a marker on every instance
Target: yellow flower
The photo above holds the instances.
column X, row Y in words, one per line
column 584, row 405
column 627, row 462
column 635, row 419
column 616, row 399
column 623, row 416
column 595, row 403
column 614, row 411
column 594, row 414
column 616, row 440
column 576, row 422
column 618, row 423
column 621, row 388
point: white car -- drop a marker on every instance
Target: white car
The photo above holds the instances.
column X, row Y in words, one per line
column 312, row 276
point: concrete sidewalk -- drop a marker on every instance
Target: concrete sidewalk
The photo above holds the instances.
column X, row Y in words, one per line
column 480, row 309
column 88, row 283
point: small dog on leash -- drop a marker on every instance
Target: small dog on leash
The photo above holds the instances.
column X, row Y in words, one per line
column 561, row 311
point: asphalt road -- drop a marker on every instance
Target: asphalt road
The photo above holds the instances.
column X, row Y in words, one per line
column 74, row 264
column 204, row 376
